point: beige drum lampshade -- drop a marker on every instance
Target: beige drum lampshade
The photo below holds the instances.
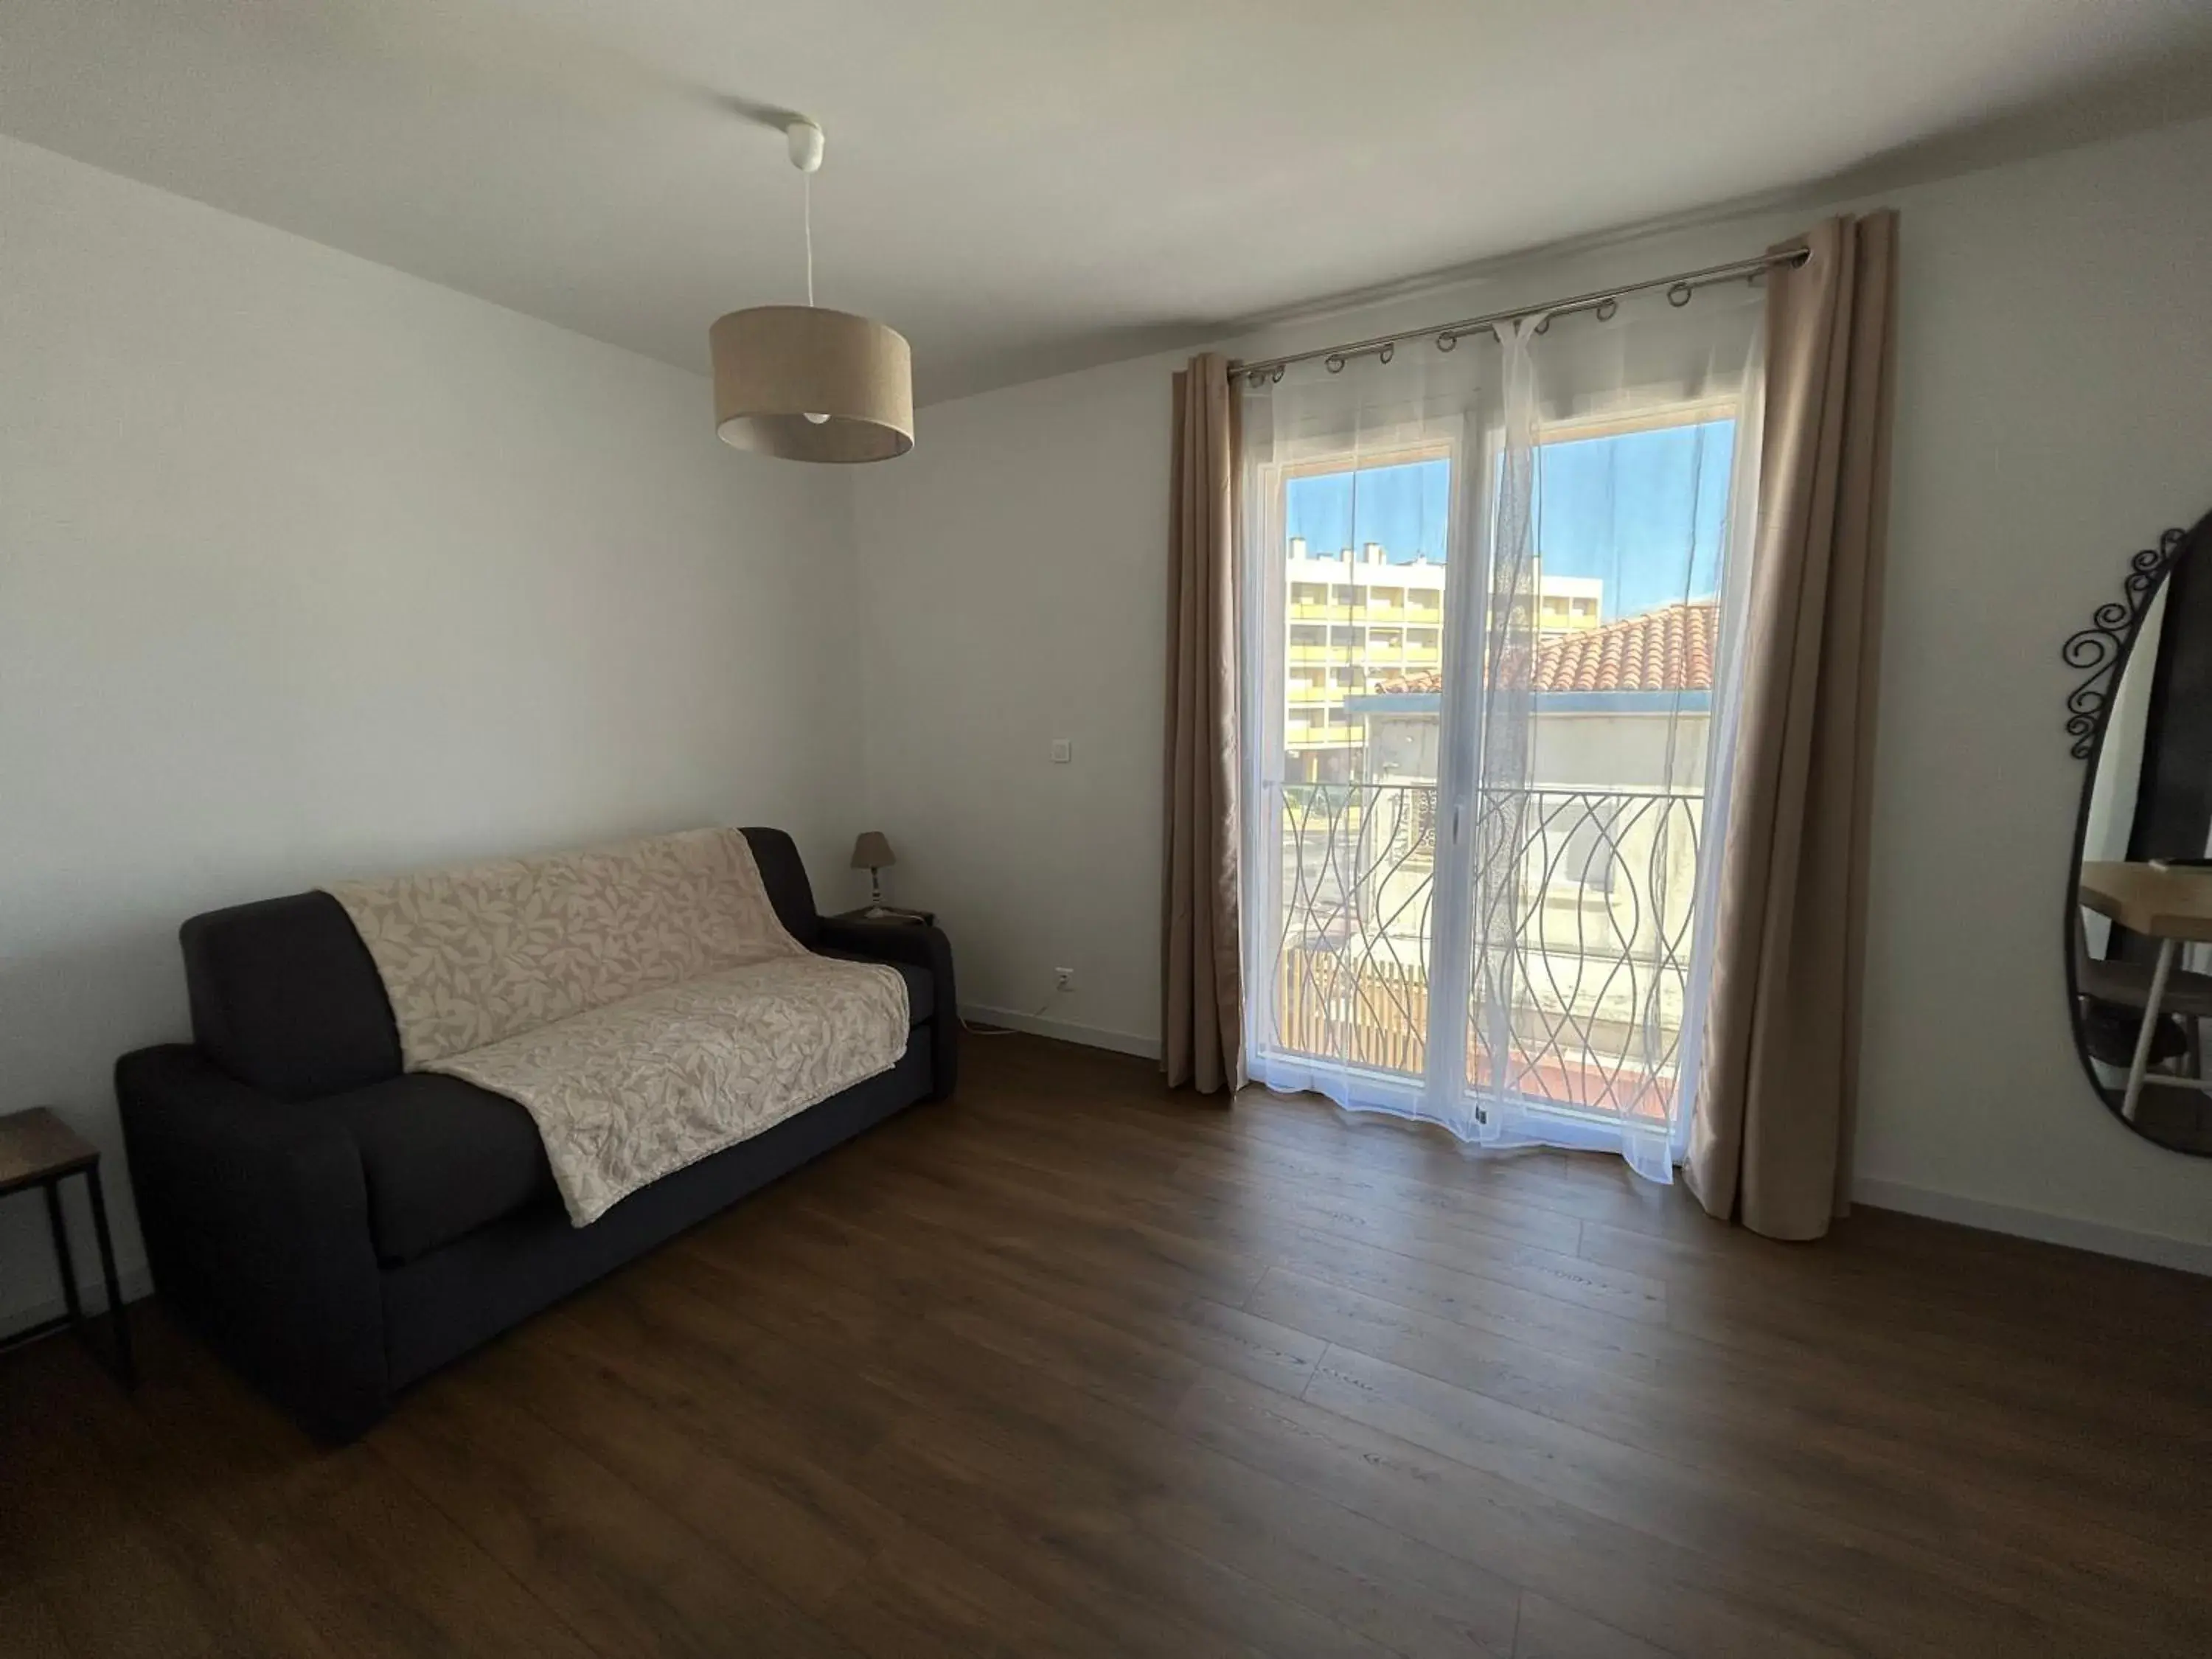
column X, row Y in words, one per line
column 776, row 365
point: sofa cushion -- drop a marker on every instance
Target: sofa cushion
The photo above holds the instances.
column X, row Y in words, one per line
column 285, row 997
column 442, row 1158
column 783, row 873
column 920, row 986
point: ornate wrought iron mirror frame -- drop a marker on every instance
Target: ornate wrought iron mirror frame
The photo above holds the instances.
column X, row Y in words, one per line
column 2102, row 650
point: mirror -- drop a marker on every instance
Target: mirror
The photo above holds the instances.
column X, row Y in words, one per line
column 2139, row 907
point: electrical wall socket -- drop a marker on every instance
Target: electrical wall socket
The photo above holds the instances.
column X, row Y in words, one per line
column 1063, row 978
column 1062, row 751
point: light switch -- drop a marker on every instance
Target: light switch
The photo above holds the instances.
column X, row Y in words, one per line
column 1062, row 751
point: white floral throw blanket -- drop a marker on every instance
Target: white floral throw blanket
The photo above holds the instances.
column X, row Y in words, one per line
column 642, row 1001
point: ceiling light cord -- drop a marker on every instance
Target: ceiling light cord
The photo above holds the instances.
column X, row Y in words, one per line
column 806, row 180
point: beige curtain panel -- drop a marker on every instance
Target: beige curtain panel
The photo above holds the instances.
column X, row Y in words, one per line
column 1202, row 1011
column 1771, row 1141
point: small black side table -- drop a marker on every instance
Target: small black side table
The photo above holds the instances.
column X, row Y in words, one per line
column 890, row 915
column 36, row 1149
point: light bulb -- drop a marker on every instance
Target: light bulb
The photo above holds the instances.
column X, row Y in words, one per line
column 817, row 420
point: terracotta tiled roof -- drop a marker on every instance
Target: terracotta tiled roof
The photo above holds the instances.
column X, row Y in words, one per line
column 1669, row 649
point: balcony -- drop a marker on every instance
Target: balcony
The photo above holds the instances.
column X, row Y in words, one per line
column 1596, row 967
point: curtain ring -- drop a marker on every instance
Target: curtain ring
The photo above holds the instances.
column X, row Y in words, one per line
column 1333, row 363
column 1544, row 326
column 1678, row 296
column 1446, row 342
column 1608, row 309
column 1389, row 350
column 1277, row 377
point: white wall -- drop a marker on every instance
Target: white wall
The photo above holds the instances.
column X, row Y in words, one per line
column 1014, row 591
column 2053, row 415
column 308, row 568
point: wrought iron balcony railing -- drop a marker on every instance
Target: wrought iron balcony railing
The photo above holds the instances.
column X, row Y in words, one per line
column 1589, row 958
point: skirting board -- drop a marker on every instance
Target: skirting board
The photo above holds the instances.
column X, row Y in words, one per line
column 136, row 1284
column 1091, row 1037
column 2155, row 1247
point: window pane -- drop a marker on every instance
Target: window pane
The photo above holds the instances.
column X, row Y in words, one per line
column 1630, row 533
column 1367, row 543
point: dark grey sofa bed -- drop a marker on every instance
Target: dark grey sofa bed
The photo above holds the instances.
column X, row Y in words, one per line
column 337, row 1228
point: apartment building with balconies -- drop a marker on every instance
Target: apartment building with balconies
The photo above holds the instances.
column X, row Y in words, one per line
column 1358, row 619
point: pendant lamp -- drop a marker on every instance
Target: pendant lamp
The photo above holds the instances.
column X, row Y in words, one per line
column 807, row 383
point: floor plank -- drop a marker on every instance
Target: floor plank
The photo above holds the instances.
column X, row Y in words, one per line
column 1548, row 1631
column 627, row 1575
column 1072, row 1365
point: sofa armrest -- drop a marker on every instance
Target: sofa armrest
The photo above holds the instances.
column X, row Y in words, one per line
column 255, row 1214
column 919, row 947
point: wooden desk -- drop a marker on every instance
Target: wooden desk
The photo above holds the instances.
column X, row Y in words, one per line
column 2173, row 906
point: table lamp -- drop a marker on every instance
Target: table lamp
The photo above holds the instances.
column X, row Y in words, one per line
column 871, row 853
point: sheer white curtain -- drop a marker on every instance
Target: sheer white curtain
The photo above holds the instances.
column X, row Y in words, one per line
column 1339, row 900
column 1491, row 596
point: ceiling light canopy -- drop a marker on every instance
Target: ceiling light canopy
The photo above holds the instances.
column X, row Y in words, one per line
column 807, row 383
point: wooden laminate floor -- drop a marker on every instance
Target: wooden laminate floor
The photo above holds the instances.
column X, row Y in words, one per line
column 1069, row 1366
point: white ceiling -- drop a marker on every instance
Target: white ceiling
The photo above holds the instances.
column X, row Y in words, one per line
column 1024, row 186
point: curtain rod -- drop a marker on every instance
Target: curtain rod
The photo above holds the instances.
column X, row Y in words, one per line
column 1680, row 287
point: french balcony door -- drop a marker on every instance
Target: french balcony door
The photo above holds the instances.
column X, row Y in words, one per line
column 1486, row 635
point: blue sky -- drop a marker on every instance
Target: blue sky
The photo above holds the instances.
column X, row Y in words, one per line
column 1619, row 508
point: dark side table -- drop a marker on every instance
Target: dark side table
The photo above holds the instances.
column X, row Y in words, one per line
column 36, row 1149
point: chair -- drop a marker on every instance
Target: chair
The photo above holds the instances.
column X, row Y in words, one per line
column 2127, row 984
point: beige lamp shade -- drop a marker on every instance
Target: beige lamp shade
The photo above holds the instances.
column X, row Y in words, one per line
column 776, row 365
column 873, row 851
